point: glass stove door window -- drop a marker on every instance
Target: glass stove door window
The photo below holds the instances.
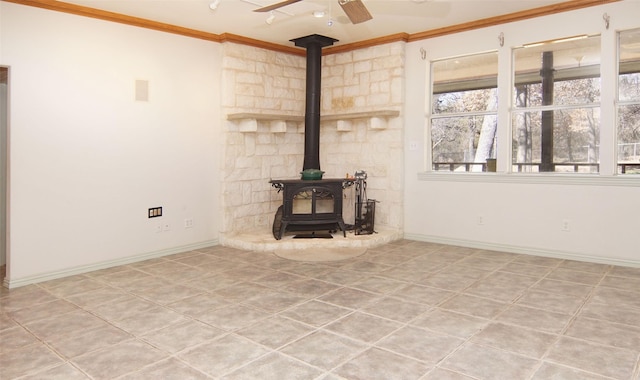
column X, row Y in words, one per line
column 464, row 112
column 629, row 102
column 556, row 106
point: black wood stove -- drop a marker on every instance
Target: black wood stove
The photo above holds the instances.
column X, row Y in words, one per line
column 311, row 205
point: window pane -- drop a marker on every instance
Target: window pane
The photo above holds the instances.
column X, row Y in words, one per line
column 629, row 139
column 629, row 113
column 458, row 143
column 465, row 101
column 562, row 72
column 629, row 66
column 556, row 141
column 464, row 106
column 465, row 84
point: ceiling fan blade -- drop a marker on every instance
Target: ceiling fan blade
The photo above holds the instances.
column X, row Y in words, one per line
column 355, row 10
column 275, row 6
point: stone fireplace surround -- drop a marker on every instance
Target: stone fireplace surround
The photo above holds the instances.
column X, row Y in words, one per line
column 361, row 129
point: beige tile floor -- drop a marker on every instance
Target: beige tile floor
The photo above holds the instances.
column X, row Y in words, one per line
column 404, row 310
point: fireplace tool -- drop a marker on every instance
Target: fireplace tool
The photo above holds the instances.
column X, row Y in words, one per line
column 365, row 208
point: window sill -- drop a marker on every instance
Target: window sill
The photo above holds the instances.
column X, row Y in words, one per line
column 626, row 180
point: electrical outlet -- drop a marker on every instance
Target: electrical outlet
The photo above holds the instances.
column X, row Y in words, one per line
column 154, row 212
column 566, row 225
column 188, row 223
column 159, row 228
column 166, row 227
column 481, row 220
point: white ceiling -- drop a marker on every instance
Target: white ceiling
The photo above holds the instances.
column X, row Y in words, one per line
column 296, row 20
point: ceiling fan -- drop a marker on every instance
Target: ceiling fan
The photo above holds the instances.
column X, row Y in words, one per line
column 355, row 9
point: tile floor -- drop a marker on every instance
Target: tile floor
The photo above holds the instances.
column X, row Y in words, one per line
column 404, row 310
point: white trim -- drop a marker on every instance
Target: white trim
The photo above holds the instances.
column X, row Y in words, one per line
column 522, row 250
column 14, row 283
column 623, row 103
column 452, row 115
column 559, row 107
column 623, row 180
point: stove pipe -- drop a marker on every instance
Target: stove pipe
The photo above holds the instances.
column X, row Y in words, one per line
column 314, row 44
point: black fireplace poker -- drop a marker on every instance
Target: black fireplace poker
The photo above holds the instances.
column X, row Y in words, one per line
column 314, row 44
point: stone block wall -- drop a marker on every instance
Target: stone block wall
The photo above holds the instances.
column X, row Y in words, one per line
column 258, row 81
column 262, row 81
column 369, row 79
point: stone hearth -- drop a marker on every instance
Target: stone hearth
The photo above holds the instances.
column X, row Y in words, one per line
column 264, row 241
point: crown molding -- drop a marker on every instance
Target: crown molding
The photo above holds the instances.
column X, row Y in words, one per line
column 510, row 17
column 79, row 10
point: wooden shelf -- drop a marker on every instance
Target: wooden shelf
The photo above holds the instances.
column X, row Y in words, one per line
column 376, row 119
column 360, row 115
column 248, row 122
column 264, row 117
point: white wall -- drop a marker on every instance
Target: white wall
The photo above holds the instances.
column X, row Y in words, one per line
column 87, row 160
column 523, row 214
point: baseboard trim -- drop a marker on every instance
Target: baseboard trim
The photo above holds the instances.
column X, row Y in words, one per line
column 522, row 250
column 18, row 282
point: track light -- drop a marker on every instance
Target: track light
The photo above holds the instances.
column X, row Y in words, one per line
column 214, row 5
column 271, row 17
column 566, row 39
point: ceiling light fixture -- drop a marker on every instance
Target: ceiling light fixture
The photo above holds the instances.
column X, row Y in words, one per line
column 560, row 40
column 319, row 14
column 270, row 19
column 214, row 5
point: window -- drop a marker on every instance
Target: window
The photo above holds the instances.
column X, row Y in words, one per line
column 629, row 102
column 464, row 113
column 556, row 106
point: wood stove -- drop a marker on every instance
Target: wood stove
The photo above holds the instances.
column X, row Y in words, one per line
column 309, row 205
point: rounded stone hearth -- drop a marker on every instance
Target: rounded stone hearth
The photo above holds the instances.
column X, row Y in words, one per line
column 263, row 241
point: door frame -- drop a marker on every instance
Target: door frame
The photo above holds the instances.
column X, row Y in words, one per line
column 4, row 171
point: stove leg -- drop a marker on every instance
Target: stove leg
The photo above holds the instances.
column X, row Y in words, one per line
column 342, row 227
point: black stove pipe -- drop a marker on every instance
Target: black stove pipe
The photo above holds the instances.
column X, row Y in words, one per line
column 314, row 44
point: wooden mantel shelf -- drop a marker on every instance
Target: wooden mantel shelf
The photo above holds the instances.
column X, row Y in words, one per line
column 264, row 117
column 360, row 115
column 248, row 122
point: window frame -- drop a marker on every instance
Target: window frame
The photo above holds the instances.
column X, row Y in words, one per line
column 620, row 168
column 515, row 110
column 431, row 115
